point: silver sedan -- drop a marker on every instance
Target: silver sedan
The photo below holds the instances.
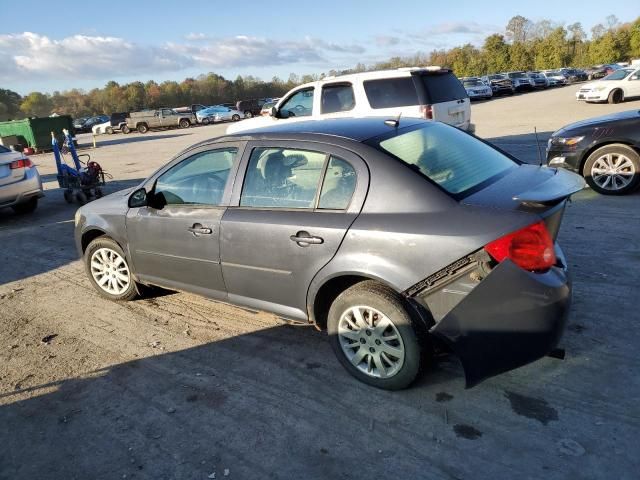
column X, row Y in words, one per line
column 218, row 114
column 20, row 184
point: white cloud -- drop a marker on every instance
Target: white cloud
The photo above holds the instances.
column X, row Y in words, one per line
column 82, row 56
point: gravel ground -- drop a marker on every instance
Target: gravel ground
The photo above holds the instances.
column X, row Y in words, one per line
column 180, row 387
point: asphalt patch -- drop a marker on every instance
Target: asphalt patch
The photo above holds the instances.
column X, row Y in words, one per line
column 535, row 408
column 443, row 397
column 467, row 431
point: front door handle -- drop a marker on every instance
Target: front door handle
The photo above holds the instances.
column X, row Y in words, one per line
column 304, row 239
column 198, row 229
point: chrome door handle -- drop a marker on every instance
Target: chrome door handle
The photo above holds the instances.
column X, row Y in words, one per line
column 198, row 229
column 303, row 239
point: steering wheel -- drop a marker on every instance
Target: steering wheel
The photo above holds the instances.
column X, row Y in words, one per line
column 201, row 184
column 300, row 108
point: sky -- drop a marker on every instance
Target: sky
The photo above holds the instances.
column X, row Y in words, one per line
column 86, row 44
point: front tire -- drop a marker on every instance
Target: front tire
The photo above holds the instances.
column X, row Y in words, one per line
column 109, row 271
column 616, row 96
column 125, row 130
column 205, row 121
column 235, row 118
column 373, row 335
column 613, row 170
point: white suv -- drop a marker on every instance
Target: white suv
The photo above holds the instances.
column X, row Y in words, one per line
column 430, row 92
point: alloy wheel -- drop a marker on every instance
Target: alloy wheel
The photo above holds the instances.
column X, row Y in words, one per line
column 110, row 271
column 613, row 171
column 371, row 342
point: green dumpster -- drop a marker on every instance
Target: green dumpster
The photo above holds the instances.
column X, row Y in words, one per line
column 36, row 132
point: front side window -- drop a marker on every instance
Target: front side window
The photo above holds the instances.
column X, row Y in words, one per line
column 455, row 161
column 337, row 98
column 166, row 112
column 300, row 104
column 282, row 178
column 391, row 92
column 197, row 180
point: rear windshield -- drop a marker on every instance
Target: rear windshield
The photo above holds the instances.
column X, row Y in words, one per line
column 391, row 92
column 454, row 160
column 443, row 88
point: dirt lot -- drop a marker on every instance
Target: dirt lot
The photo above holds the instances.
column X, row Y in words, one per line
column 179, row 387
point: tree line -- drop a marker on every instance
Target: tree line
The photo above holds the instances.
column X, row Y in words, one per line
column 525, row 45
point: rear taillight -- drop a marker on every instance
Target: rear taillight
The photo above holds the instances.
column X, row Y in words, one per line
column 531, row 248
column 426, row 111
column 22, row 163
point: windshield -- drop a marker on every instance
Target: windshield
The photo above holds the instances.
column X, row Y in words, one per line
column 496, row 77
column 517, row 75
column 618, row 75
column 472, row 83
column 454, row 160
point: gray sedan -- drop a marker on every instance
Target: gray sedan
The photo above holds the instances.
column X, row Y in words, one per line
column 218, row 114
column 394, row 235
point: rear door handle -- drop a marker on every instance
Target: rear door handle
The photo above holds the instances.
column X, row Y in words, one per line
column 198, row 229
column 303, row 239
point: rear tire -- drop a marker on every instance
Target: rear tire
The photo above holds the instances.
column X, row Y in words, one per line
column 27, row 207
column 184, row 123
column 616, row 96
column 248, row 114
column 373, row 335
column 143, row 128
column 622, row 160
column 106, row 263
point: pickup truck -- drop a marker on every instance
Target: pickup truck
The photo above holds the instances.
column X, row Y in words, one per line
column 160, row 118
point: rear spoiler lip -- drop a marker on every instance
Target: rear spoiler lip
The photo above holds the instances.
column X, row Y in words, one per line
column 558, row 187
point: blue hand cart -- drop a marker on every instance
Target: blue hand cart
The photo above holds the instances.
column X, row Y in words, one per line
column 79, row 182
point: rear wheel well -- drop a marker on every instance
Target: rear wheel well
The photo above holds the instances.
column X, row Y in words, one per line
column 588, row 153
column 89, row 237
column 329, row 292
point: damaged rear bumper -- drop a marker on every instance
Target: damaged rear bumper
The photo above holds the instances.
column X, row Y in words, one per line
column 510, row 318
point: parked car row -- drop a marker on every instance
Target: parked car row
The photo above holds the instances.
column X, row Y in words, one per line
column 508, row 83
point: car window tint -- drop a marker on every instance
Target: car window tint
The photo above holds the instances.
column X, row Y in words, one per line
column 166, row 111
column 443, row 88
column 4, row 149
column 338, row 185
column 282, row 178
column 452, row 159
column 300, row 104
column 391, row 92
column 199, row 179
column 337, row 98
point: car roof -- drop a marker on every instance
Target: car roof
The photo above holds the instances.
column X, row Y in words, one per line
column 357, row 129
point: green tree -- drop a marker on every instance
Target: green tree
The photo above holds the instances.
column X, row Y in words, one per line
column 9, row 105
column 496, row 53
column 36, row 104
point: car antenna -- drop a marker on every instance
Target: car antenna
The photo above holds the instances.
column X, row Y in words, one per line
column 538, row 146
column 394, row 122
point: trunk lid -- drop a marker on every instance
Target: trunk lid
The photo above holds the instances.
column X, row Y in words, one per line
column 533, row 189
column 7, row 174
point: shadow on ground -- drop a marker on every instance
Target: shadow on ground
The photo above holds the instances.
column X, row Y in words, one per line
column 43, row 240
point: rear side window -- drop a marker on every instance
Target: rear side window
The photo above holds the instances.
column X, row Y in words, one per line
column 443, row 88
column 391, row 92
column 337, row 98
column 338, row 185
column 457, row 162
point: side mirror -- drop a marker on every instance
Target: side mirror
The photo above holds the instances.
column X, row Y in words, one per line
column 273, row 112
column 138, row 198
